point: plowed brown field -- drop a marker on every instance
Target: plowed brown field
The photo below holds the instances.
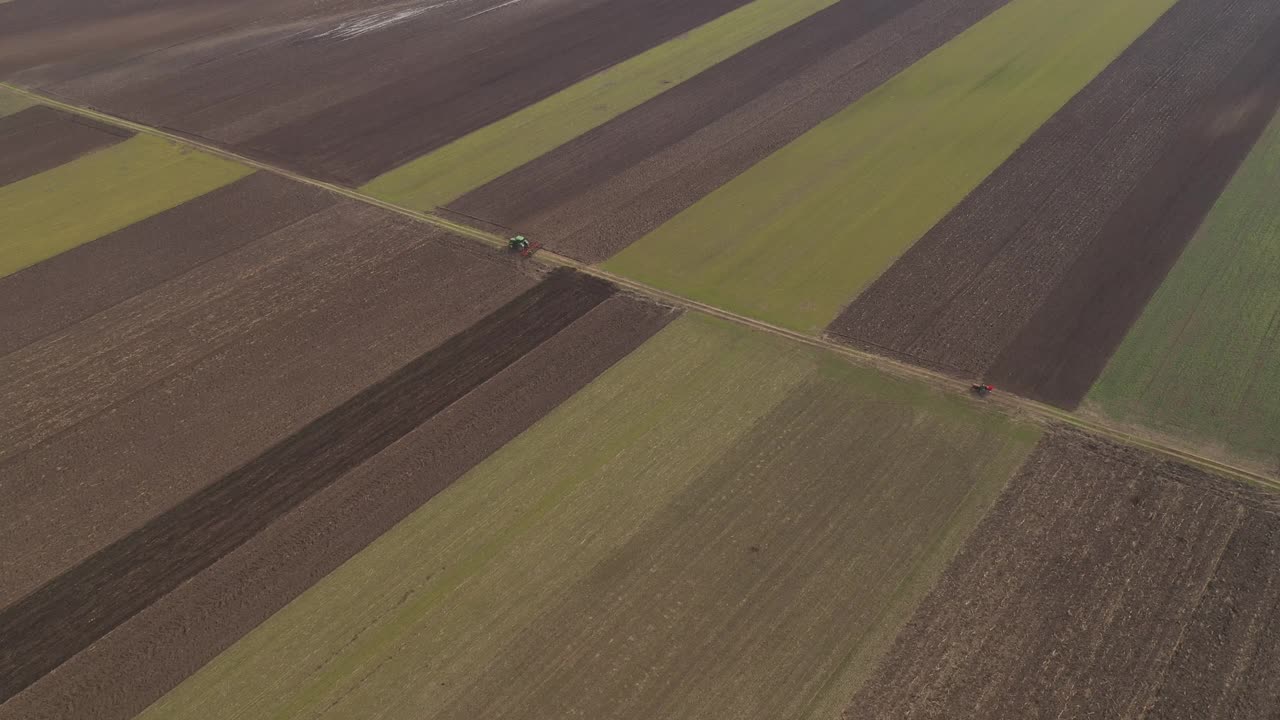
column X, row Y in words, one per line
column 1035, row 278
column 40, row 138
column 1104, row 583
column 592, row 197
column 552, row 323
column 347, row 93
column 160, row 646
column 35, row 302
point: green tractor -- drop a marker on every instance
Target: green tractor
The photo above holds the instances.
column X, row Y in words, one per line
column 520, row 244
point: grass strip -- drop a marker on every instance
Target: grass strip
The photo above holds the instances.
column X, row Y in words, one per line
column 52, row 212
column 11, row 102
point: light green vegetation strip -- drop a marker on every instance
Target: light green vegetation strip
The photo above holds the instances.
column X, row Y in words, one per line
column 493, row 151
column 1203, row 361
column 54, row 211
column 11, row 102
column 733, row 532
column 795, row 238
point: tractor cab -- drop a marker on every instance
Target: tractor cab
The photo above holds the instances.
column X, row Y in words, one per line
column 520, row 244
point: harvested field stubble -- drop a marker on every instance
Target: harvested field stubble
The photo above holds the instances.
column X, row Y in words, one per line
column 646, row 554
column 41, row 138
column 66, row 615
column 1203, row 361
column 1104, row 583
column 1034, row 279
column 794, row 238
column 593, row 196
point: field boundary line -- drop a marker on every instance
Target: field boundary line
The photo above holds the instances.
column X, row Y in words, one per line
column 1010, row 404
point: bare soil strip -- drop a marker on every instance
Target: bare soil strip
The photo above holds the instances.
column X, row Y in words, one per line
column 72, row 375
column 1020, row 281
column 61, row 501
column 302, row 84
column 40, row 138
column 152, row 652
column 1104, row 583
column 357, row 140
column 34, row 302
column 599, row 193
column 75, row 609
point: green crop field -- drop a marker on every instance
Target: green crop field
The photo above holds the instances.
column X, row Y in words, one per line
column 738, row 533
column 795, row 238
column 468, row 163
column 11, row 102
column 59, row 209
column 1204, row 359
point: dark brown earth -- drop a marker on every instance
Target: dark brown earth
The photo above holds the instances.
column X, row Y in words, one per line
column 1034, row 279
column 347, row 107
column 182, row 405
column 41, row 138
column 69, row 613
column 35, row 303
column 64, row 38
column 72, row 375
column 1104, row 583
column 428, row 107
column 592, row 197
column 153, row 651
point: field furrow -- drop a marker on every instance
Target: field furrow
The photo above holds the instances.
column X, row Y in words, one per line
column 794, row 238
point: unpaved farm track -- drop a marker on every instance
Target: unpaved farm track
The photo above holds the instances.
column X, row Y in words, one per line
column 879, row 357
column 40, row 138
column 1035, row 278
column 591, row 197
column 1104, row 583
column 68, row 614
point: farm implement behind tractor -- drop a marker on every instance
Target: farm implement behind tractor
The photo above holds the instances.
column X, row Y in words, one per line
column 520, row 244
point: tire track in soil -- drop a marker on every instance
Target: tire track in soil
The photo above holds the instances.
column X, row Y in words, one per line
column 72, row 611
column 41, row 138
column 1018, row 283
column 593, row 196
